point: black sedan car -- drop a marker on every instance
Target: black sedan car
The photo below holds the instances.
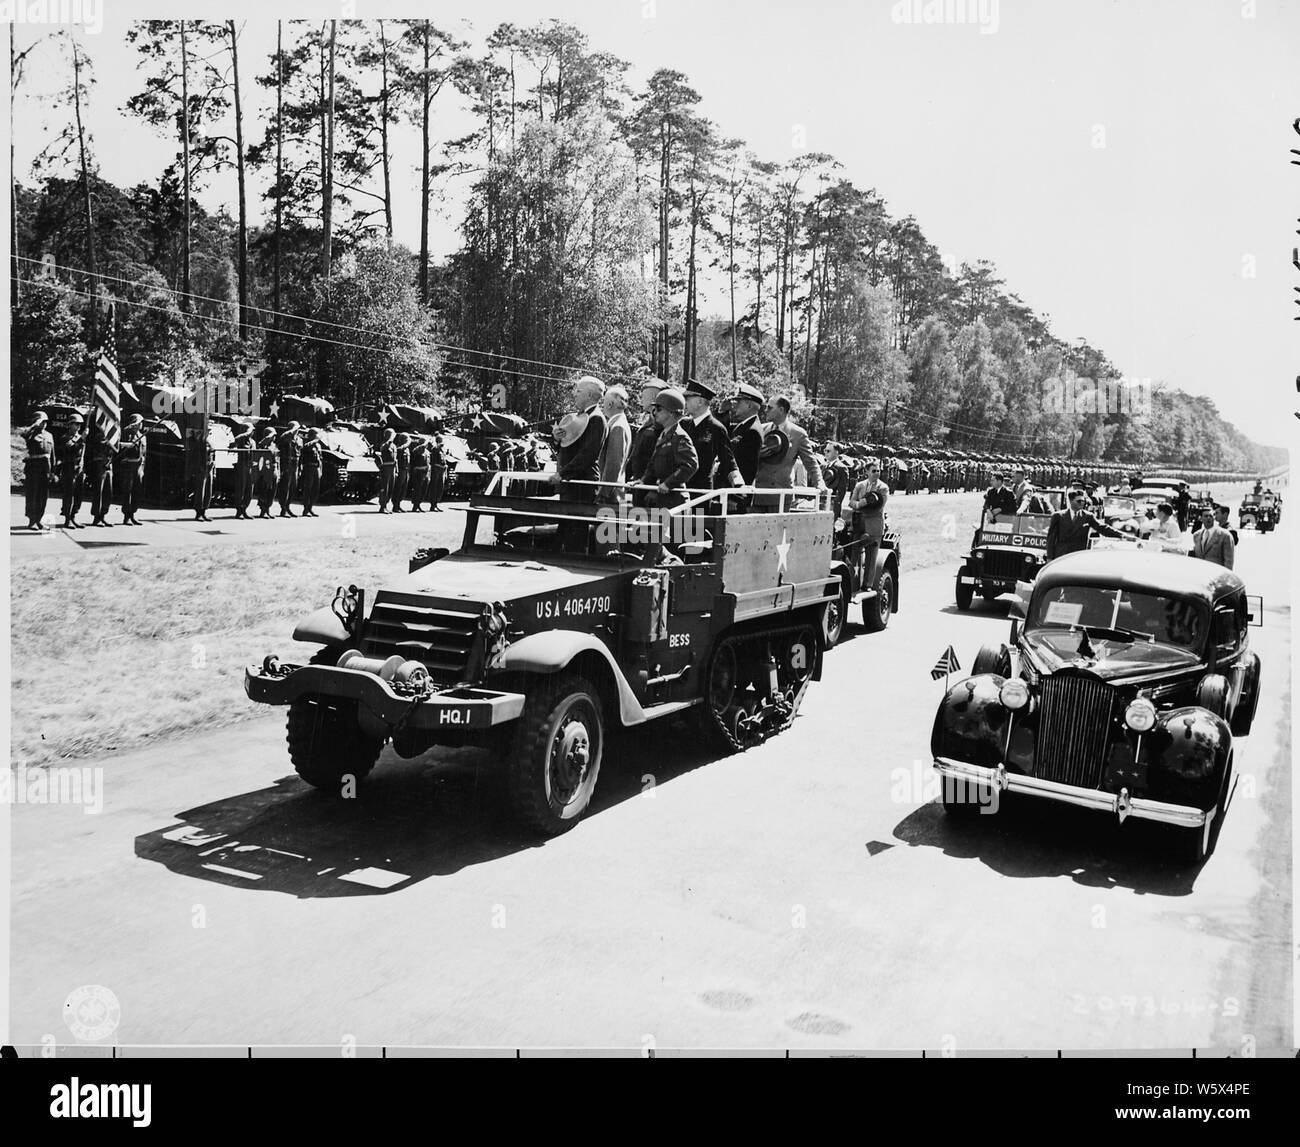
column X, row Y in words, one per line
column 1127, row 676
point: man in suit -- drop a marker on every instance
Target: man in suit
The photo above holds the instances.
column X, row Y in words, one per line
column 998, row 499
column 579, row 461
column 1069, row 530
column 618, row 440
column 1212, row 543
column 717, row 465
column 746, row 433
column 777, row 472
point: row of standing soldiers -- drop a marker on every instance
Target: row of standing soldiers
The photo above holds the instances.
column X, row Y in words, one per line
column 934, row 475
column 86, row 463
column 411, row 466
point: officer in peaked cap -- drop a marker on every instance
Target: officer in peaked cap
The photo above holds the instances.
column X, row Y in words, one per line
column 746, row 432
column 712, row 442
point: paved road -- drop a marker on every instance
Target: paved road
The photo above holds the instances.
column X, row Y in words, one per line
column 807, row 893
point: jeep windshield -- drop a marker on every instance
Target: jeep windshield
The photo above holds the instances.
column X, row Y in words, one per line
column 1013, row 529
column 1117, row 625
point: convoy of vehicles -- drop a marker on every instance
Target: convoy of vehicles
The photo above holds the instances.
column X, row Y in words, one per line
column 1260, row 512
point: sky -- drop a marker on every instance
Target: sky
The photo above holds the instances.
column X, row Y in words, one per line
column 1125, row 166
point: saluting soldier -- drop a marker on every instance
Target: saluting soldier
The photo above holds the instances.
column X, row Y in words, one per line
column 290, row 447
column 38, row 468
column 130, row 467
column 72, row 467
column 674, row 459
column 717, row 465
column 437, row 473
column 402, row 478
column 201, row 467
column 386, row 456
column 245, row 468
column 311, row 460
column 268, row 471
column 99, row 475
column 419, row 472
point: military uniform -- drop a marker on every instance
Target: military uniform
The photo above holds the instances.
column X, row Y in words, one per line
column 419, row 474
column 99, row 476
column 311, row 461
column 402, row 477
column 643, row 445
column 130, row 470
column 290, row 447
column 201, row 470
column 72, row 468
column 38, row 468
column 672, row 463
column 245, row 470
column 746, row 446
column 268, row 473
column 437, row 476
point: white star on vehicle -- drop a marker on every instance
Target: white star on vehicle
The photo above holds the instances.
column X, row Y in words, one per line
column 275, row 408
column 477, row 422
column 782, row 552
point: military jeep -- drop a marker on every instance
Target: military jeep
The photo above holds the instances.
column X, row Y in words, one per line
column 555, row 622
column 1006, row 549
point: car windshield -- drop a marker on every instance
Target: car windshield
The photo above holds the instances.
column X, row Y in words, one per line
column 1119, row 505
column 1118, row 623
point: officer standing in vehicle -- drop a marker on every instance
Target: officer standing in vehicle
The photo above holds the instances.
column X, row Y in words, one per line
column 130, row 467
column 245, row 468
column 38, row 468
column 746, row 434
column 866, row 506
column 72, row 467
column 998, row 499
column 386, row 455
column 267, row 471
column 99, row 475
column 311, row 462
column 201, row 464
column 290, row 446
column 717, row 466
column 674, row 459
column 647, row 434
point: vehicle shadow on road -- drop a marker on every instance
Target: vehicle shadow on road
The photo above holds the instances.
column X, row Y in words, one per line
column 411, row 820
column 1030, row 838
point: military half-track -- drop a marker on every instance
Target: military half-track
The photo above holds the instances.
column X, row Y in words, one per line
column 554, row 623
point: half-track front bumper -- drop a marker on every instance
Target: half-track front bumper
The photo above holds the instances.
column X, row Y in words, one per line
column 458, row 707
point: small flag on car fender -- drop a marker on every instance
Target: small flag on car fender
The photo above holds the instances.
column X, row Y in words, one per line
column 946, row 664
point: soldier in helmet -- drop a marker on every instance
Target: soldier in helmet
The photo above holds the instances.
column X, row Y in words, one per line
column 437, row 473
column 245, row 468
column 100, row 453
column 312, row 460
column 130, row 467
column 201, row 470
column 402, row 477
column 386, row 455
column 268, row 471
column 419, row 471
column 289, row 444
column 38, row 467
column 72, row 466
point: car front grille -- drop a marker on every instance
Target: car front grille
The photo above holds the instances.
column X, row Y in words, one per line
column 413, row 627
column 1073, row 725
column 1006, row 564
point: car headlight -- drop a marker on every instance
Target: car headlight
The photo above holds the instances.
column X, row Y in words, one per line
column 1014, row 694
column 1140, row 716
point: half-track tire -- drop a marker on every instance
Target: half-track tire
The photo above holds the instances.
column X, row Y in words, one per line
column 555, row 758
column 326, row 745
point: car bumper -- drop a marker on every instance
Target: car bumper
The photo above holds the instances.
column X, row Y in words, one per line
column 1120, row 804
column 461, row 707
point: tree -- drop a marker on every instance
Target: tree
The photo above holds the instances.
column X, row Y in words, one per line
column 47, row 357
column 933, row 375
column 980, row 406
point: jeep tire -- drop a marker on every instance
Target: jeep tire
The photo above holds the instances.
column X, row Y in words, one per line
column 555, row 759
column 876, row 610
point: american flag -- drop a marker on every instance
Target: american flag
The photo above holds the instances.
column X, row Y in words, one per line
column 108, row 387
column 946, row 664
